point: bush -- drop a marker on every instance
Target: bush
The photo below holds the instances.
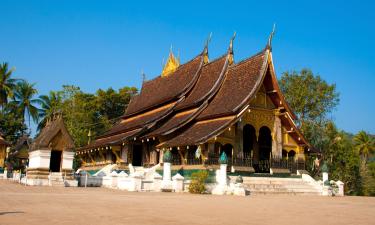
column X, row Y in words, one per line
column 198, row 180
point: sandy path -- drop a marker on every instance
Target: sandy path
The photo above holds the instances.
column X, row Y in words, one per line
column 47, row 205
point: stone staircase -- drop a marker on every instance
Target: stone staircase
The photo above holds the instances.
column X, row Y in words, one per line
column 279, row 186
column 56, row 179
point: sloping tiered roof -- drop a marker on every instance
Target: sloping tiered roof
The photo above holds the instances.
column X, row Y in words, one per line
column 54, row 128
column 166, row 88
column 198, row 101
column 240, row 84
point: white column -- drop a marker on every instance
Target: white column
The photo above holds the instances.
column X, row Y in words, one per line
column 223, row 175
column 325, row 177
column 166, row 171
column 67, row 161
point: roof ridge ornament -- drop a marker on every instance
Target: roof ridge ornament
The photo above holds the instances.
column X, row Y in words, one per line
column 269, row 43
column 230, row 49
column 143, row 76
column 205, row 50
column 171, row 65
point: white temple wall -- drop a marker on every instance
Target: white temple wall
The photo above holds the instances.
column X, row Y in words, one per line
column 39, row 158
column 67, row 160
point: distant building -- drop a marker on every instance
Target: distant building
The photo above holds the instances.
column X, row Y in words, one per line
column 3, row 146
column 51, row 156
column 20, row 152
column 203, row 108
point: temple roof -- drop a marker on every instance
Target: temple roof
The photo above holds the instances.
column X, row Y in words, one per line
column 199, row 132
column 140, row 120
column 21, row 142
column 208, row 82
column 164, row 89
column 240, row 84
column 114, row 139
column 208, row 77
column 47, row 136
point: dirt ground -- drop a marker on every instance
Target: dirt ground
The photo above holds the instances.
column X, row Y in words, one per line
column 58, row 205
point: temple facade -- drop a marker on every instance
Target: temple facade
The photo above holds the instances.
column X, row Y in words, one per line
column 202, row 108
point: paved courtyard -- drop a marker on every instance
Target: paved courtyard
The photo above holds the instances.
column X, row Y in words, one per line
column 57, row 205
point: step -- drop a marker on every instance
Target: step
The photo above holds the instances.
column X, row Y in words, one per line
column 285, row 193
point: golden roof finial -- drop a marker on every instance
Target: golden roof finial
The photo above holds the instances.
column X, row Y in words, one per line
column 230, row 49
column 269, row 43
column 171, row 65
column 205, row 50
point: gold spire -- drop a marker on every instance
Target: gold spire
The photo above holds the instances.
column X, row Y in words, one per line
column 205, row 50
column 171, row 65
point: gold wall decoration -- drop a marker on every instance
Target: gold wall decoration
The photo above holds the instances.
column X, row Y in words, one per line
column 260, row 118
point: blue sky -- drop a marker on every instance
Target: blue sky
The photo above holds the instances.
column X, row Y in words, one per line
column 101, row 44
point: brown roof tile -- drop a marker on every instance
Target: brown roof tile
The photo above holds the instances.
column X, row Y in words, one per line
column 208, row 77
column 164, row 89
column 199, row 132
column 241, row 80
column 140, row 120
column 173, row 122
column 111, row 139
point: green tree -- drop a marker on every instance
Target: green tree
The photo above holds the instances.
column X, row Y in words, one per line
column 7, row 84
column 50, row 105
column 342, row 159
column 24, row 94
column 310, row 97
column 12, row 123
column 112, row 104
column 80, row 111
column 365, row 145
column 369, row 186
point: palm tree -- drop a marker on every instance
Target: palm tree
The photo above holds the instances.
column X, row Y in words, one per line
column 7, row 84
column 364, row 144
column 50, row 105
column 24, row 98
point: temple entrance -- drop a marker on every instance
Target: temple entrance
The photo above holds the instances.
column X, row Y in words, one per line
column 249, row 139
column 55, row 161
column 265, row 148
column 291, row 154
column 284, row 154
column 137, row 155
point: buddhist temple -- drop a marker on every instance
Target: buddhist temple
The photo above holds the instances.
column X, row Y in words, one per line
column 201, row 108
